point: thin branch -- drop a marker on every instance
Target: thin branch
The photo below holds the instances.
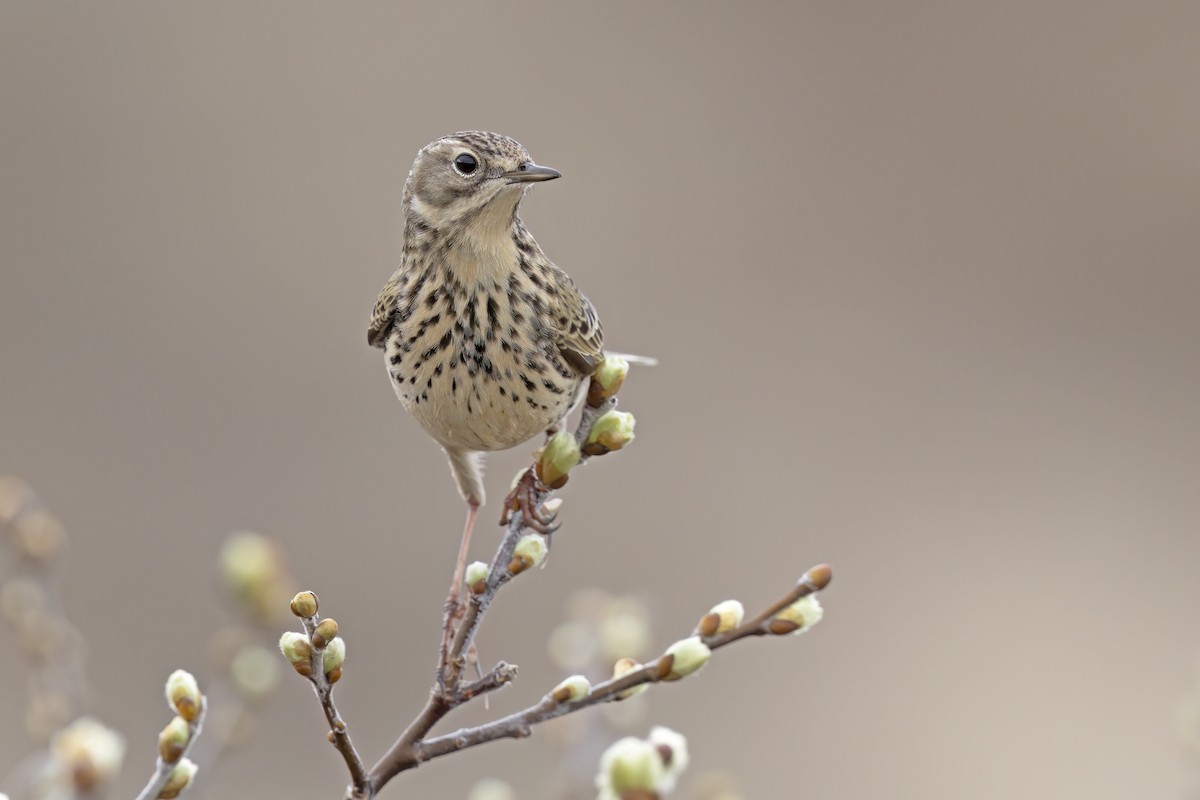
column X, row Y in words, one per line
column 519, row 725
column 164, row 769
column 339, row 736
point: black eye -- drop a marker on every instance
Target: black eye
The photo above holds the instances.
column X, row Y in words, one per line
column 465, row 163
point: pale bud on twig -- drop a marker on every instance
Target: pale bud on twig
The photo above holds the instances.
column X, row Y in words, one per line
column 611, row 432
column 687, row 656
column 607, row 380
column 297, row 651
column 183, row 693
column 173, row 739
column 623, row 667
column 573, row 688
column 476, row 577
column 798, row 617
column 305, row 604
column 559, row 456
column 181, row 778
column 529, row 552
column 721, row 618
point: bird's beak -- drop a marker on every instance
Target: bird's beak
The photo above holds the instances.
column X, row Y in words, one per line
column 530, row 172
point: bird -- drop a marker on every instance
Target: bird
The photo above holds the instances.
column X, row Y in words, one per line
column 487, row 342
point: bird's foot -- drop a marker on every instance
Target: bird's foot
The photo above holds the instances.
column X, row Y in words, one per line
column 527, row 497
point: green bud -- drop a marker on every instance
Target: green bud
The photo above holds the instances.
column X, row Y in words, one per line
column 607, row 380
column 529, row 552
column 559, row 456
column 476, row 577
column 611, row 432
column 688, row 656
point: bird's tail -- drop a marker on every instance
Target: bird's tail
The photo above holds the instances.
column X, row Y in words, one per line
column 467, row 468
column 645, row 361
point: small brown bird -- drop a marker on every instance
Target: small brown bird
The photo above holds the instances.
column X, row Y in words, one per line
column 487, row 341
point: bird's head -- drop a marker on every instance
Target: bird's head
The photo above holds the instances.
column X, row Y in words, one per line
column 471, row 176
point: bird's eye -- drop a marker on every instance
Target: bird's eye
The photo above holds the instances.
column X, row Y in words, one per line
column 465, row 163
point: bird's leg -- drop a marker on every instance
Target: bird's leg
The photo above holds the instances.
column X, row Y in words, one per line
column 454, row 606
column 525, row 498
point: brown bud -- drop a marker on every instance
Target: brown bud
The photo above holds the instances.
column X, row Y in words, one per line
column 781, row 627
column 326, row 632
column 334, row 675
column 304, row 604
column 304, row 668
column 819, row 576
column 332, row 737
column 709, row 624
column 663, row 666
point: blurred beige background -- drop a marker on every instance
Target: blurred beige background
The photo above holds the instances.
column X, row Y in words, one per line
column 925, row 284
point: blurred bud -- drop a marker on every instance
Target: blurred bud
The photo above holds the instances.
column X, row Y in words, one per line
column 255, row 672
column 529, row 552
column 572, row 645
column 798, row 617
column 573, row 688
column 688, row 656
column 38, row 535
column 672, row 748
column 623, row 667
column 607, row 380
column 305, row 604
column 630, row 765
column 559, row 456
column 491, row 789
column 334, row 675
column 295, row 647
column 476, row 577
column 172, row 740
column 181, row 778
column 15, row 497
column 721, row 618
column 611, row 432
column 253, row 568
column 624, row 628
column 334, row 655
column 325, row 632
column 183, row 694
column 88, row 752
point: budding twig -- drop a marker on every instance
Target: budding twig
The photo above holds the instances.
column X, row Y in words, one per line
column 164, row 769
column 317, row 666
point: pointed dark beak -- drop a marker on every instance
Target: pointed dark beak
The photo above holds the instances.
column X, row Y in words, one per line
column 530, row 172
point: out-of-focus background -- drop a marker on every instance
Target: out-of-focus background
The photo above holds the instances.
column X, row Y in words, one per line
column 924, row 280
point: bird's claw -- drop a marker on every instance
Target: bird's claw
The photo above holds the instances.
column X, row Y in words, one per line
column 525, row 497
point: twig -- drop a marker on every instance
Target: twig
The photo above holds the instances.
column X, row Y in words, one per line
column 519, row 725
column 338, row 735
column 164, row 769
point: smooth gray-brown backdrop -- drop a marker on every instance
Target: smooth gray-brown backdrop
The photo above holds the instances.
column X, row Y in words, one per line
column 924, row 279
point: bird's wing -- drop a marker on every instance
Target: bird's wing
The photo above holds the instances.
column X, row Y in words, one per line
column 580, row 338
column 384, row 313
